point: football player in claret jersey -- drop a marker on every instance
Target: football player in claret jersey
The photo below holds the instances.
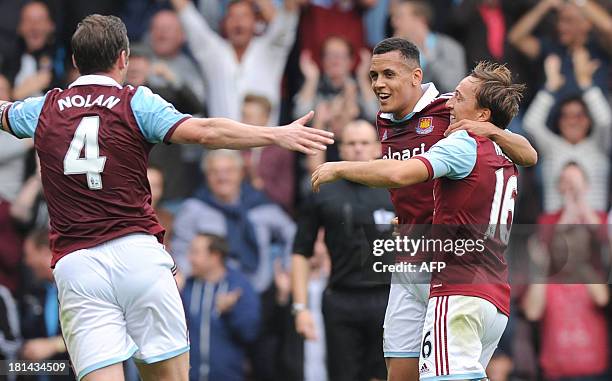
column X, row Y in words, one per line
column 116, row 291
column 412, row 118
column 461, row 165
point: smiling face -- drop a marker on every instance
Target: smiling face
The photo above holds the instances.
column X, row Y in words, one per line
column 35, row 25
column 463, row 104
column 167, row 35
column 396, row 83
column 574, row 122
column 240, row 23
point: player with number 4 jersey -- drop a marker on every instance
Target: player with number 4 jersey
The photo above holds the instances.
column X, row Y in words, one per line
column 475, row 186
column 116, row 290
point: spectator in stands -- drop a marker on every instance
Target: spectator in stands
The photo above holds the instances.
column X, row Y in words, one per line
column 29, row 210
column 12, row 155
column 574, row 342
column 270, row 169
column 582, row 129
column 12, row 166
column 222, row 311
column 575, row 22
column 324, row 18
column 37, row 65
column 167, row 39
column 320, row 89
column 177, row 171
column 482, row 26
column 157, row 184
column 10, row 332
column 230, row 207
column 442, row 58
column 258, row 232
column 242, row 62
column 40, row 321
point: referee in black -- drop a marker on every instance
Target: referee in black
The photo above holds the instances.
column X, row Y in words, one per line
column 353, row 309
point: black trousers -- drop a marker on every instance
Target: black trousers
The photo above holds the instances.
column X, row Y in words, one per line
column 353, row 332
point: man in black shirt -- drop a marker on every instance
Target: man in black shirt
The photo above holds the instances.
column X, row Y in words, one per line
column 353, row 309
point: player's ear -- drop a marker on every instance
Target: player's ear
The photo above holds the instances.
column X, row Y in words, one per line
column 74, row 63
column 123, row 59
column 484, row 114
column 417, row 76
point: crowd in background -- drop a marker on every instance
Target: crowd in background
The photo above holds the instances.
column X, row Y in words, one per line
column 231, row 216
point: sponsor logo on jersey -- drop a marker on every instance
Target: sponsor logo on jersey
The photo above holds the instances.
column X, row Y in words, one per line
column 404, row 154
column 425, row 125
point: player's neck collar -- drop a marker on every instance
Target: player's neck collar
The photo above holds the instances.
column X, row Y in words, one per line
column 429, row 94
column 95, row 79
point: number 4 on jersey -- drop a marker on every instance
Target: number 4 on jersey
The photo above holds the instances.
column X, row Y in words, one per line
column 86, row 135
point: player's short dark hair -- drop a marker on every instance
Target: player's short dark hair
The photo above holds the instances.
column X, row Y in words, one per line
column 216, row 244
column 422, row 8
column 97, row 43
column 497, row 92
column 260, row 100
column 407, row 49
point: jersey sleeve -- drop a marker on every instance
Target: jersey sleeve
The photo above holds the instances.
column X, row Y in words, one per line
column 453, row 157
column 156, row 118
column 23, row 116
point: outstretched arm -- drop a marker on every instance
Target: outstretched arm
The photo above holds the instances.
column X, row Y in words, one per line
column 226, row 133
column 376, row 173
column 453, row 157
column 518, row 149
column 4, row 116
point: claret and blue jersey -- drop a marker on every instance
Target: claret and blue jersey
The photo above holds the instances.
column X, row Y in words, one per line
column 475, row 186
column 93, row 140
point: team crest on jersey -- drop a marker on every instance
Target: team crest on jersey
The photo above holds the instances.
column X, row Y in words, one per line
column 425, row 125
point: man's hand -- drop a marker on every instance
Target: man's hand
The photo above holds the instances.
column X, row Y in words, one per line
column 226, row 301
column 297, row 137
column 304, row 325
column 584, row 67
column 308, row 67
column 39, row 349
column 365, row 60
column 552, row 68
column 325, row 173
column 484, row 129
column 282, row 281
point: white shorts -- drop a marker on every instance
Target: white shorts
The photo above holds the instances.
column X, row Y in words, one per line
column 117, row 300
column 459, row 338
column 404, row 317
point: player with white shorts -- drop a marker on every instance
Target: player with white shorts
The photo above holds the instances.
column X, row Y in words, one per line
column 460, row 335
column 110, row 312
column 405, row 315
column 116, row 290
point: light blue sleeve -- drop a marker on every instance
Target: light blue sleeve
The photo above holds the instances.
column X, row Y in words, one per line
column 23, row 116
column 154, row 115
column 453, row 157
